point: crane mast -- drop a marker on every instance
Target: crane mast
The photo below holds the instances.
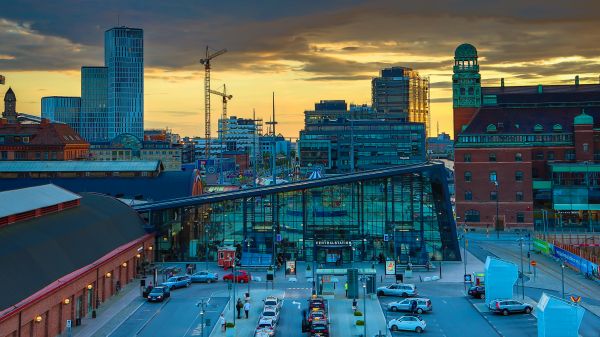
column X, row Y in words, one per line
column 206, row 62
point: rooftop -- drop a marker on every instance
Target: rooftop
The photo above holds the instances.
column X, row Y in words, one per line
column 79, row 166
column 31, row 198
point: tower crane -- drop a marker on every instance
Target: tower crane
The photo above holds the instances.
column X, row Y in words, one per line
column 206, row 62
column 224, row 125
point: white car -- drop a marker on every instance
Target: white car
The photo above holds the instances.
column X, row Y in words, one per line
column 423, row 305
column 408, row 323
column 397, row 289
column 265, row 328
column 272, row 301
column 270, row 313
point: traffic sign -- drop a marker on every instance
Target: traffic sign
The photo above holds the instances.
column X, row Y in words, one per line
column 386, row 237
column 575, row 299
column 468, row 278
column 69, row 324
column 533, row 263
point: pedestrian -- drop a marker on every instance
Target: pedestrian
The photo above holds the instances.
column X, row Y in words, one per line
column 354, row 305
column 247, row 308
column 346, row 288
column 222, row 322
column 413, row 306
column 239, row 307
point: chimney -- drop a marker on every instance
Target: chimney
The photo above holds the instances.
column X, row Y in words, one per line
column 502, row 83
column 576, row 80
column 540, row 89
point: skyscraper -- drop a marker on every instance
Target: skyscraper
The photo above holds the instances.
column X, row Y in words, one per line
column 62, row 109
column 400, row 93
column 124, row 58
column 94, row 121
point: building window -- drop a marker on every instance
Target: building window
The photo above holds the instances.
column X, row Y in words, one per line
column 472, row 215
column 468, row 195
column 550, row 155
column 586, row 147
column 518, row 156
column 493, row 176
column 493, row 195
column 539, row 155
column 468, row 176
column 519, row 196
column 519, row 176
column 467, row 157
column 492, row 156
column 520, row 217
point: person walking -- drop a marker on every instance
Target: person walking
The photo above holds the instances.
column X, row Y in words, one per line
column 346, row 288
column 239, row 306
column 413, row 306
column 354, row 305
column 247, row 308
column 222, row 322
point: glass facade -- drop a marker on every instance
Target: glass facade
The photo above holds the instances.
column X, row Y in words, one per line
column 62, row 109
column 124, row 58
column 94, row 121
column 397, row 213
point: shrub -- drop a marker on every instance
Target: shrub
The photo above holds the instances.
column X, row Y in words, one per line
column 308, row 267
column 357, row 313
column 230, row 325
column 360, row 322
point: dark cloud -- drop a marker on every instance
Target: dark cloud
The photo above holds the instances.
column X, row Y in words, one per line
column 339, row 78
column 310, row 37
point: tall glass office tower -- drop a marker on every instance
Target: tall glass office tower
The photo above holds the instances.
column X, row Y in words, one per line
column 94, row 122
column 62, row 109
column 124, row 59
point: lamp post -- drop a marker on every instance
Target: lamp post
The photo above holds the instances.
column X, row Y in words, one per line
column 521, row 239
column 206, row 245
column 234, row 287
column 201, row 305
column 497, row 211
column 364, row 286
column 562, row 277
column 248, row 251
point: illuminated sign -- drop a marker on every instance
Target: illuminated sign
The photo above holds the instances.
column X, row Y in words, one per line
column 390, row 267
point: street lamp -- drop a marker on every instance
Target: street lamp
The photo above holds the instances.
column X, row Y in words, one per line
column 521, row 239
column 206, row 246
column 201, row 305
column 562, row 277
column 363, row 280
column 497, row 213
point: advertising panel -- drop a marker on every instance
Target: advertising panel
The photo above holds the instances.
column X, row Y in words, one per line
column 575, row 261
column 290, row 268
column 542, row 246
column 390, row 267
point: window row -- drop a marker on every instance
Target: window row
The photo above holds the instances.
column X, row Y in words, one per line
column 493, row 176
column 493, row 196
column 473, row 215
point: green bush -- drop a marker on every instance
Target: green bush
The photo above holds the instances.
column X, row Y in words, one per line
column 308, row 267
column 357, row 313
column 360, row 322
column 230, row 325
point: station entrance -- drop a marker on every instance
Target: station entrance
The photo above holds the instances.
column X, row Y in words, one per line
column 328, row 280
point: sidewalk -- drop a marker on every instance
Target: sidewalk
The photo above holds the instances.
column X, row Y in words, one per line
column 245, row 327
column 343, row 319
column 111, row 313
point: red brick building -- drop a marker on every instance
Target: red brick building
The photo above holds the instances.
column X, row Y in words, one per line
column 68, row 254
column 44, row 141
column 510, row 142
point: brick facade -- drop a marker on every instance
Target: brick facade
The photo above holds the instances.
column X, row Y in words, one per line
column 50, row 303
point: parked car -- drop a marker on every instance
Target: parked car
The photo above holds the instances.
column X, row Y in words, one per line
column 319, row 329
column 317, row 315
column 159, row 294
column 270, row 312
column 316, row 302
column 397, row 289
column 177, row 282
column 273, row 301
column 204, row 276
column 265, row 327
column 423, row 305
column 241, row 276
column 477, row 291
column 506, row 307
column 408, row 323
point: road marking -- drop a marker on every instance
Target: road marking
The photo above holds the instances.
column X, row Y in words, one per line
column 296, row 303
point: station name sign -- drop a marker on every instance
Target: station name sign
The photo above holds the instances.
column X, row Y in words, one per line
column 333, row 243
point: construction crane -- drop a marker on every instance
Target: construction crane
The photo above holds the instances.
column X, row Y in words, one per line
column 206, row 62
column 224, row 125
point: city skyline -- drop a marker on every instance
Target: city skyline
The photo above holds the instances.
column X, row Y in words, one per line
column 303, row 52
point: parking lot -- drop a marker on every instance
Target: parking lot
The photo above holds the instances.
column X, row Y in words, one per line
column 512, row 325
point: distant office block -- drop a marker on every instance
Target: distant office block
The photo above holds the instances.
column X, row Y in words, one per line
column 62, row 109
column 94, row 120
column 124, row 58
column 500, row 278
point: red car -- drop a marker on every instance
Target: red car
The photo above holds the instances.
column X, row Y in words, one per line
column 241, row 276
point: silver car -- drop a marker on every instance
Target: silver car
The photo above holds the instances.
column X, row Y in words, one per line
column 423, row 305
column 506, row 307
column 397, row 289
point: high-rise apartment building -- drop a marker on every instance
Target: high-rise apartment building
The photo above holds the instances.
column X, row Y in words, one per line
column 240, row 134
column 62, row 109
column 94, row 119
column 124, row 58
column 402, row 94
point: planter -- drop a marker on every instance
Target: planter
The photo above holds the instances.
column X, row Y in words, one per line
column 230, row 332
column 408, row 273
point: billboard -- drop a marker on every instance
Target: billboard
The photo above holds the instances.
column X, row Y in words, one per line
column 290, row 268
column 390, row 267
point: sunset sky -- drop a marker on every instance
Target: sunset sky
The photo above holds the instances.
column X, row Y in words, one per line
column 304, row 51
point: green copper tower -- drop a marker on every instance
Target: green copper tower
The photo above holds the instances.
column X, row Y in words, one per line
column 466, row 81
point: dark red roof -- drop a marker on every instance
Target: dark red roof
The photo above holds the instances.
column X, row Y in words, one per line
column 42, row 134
